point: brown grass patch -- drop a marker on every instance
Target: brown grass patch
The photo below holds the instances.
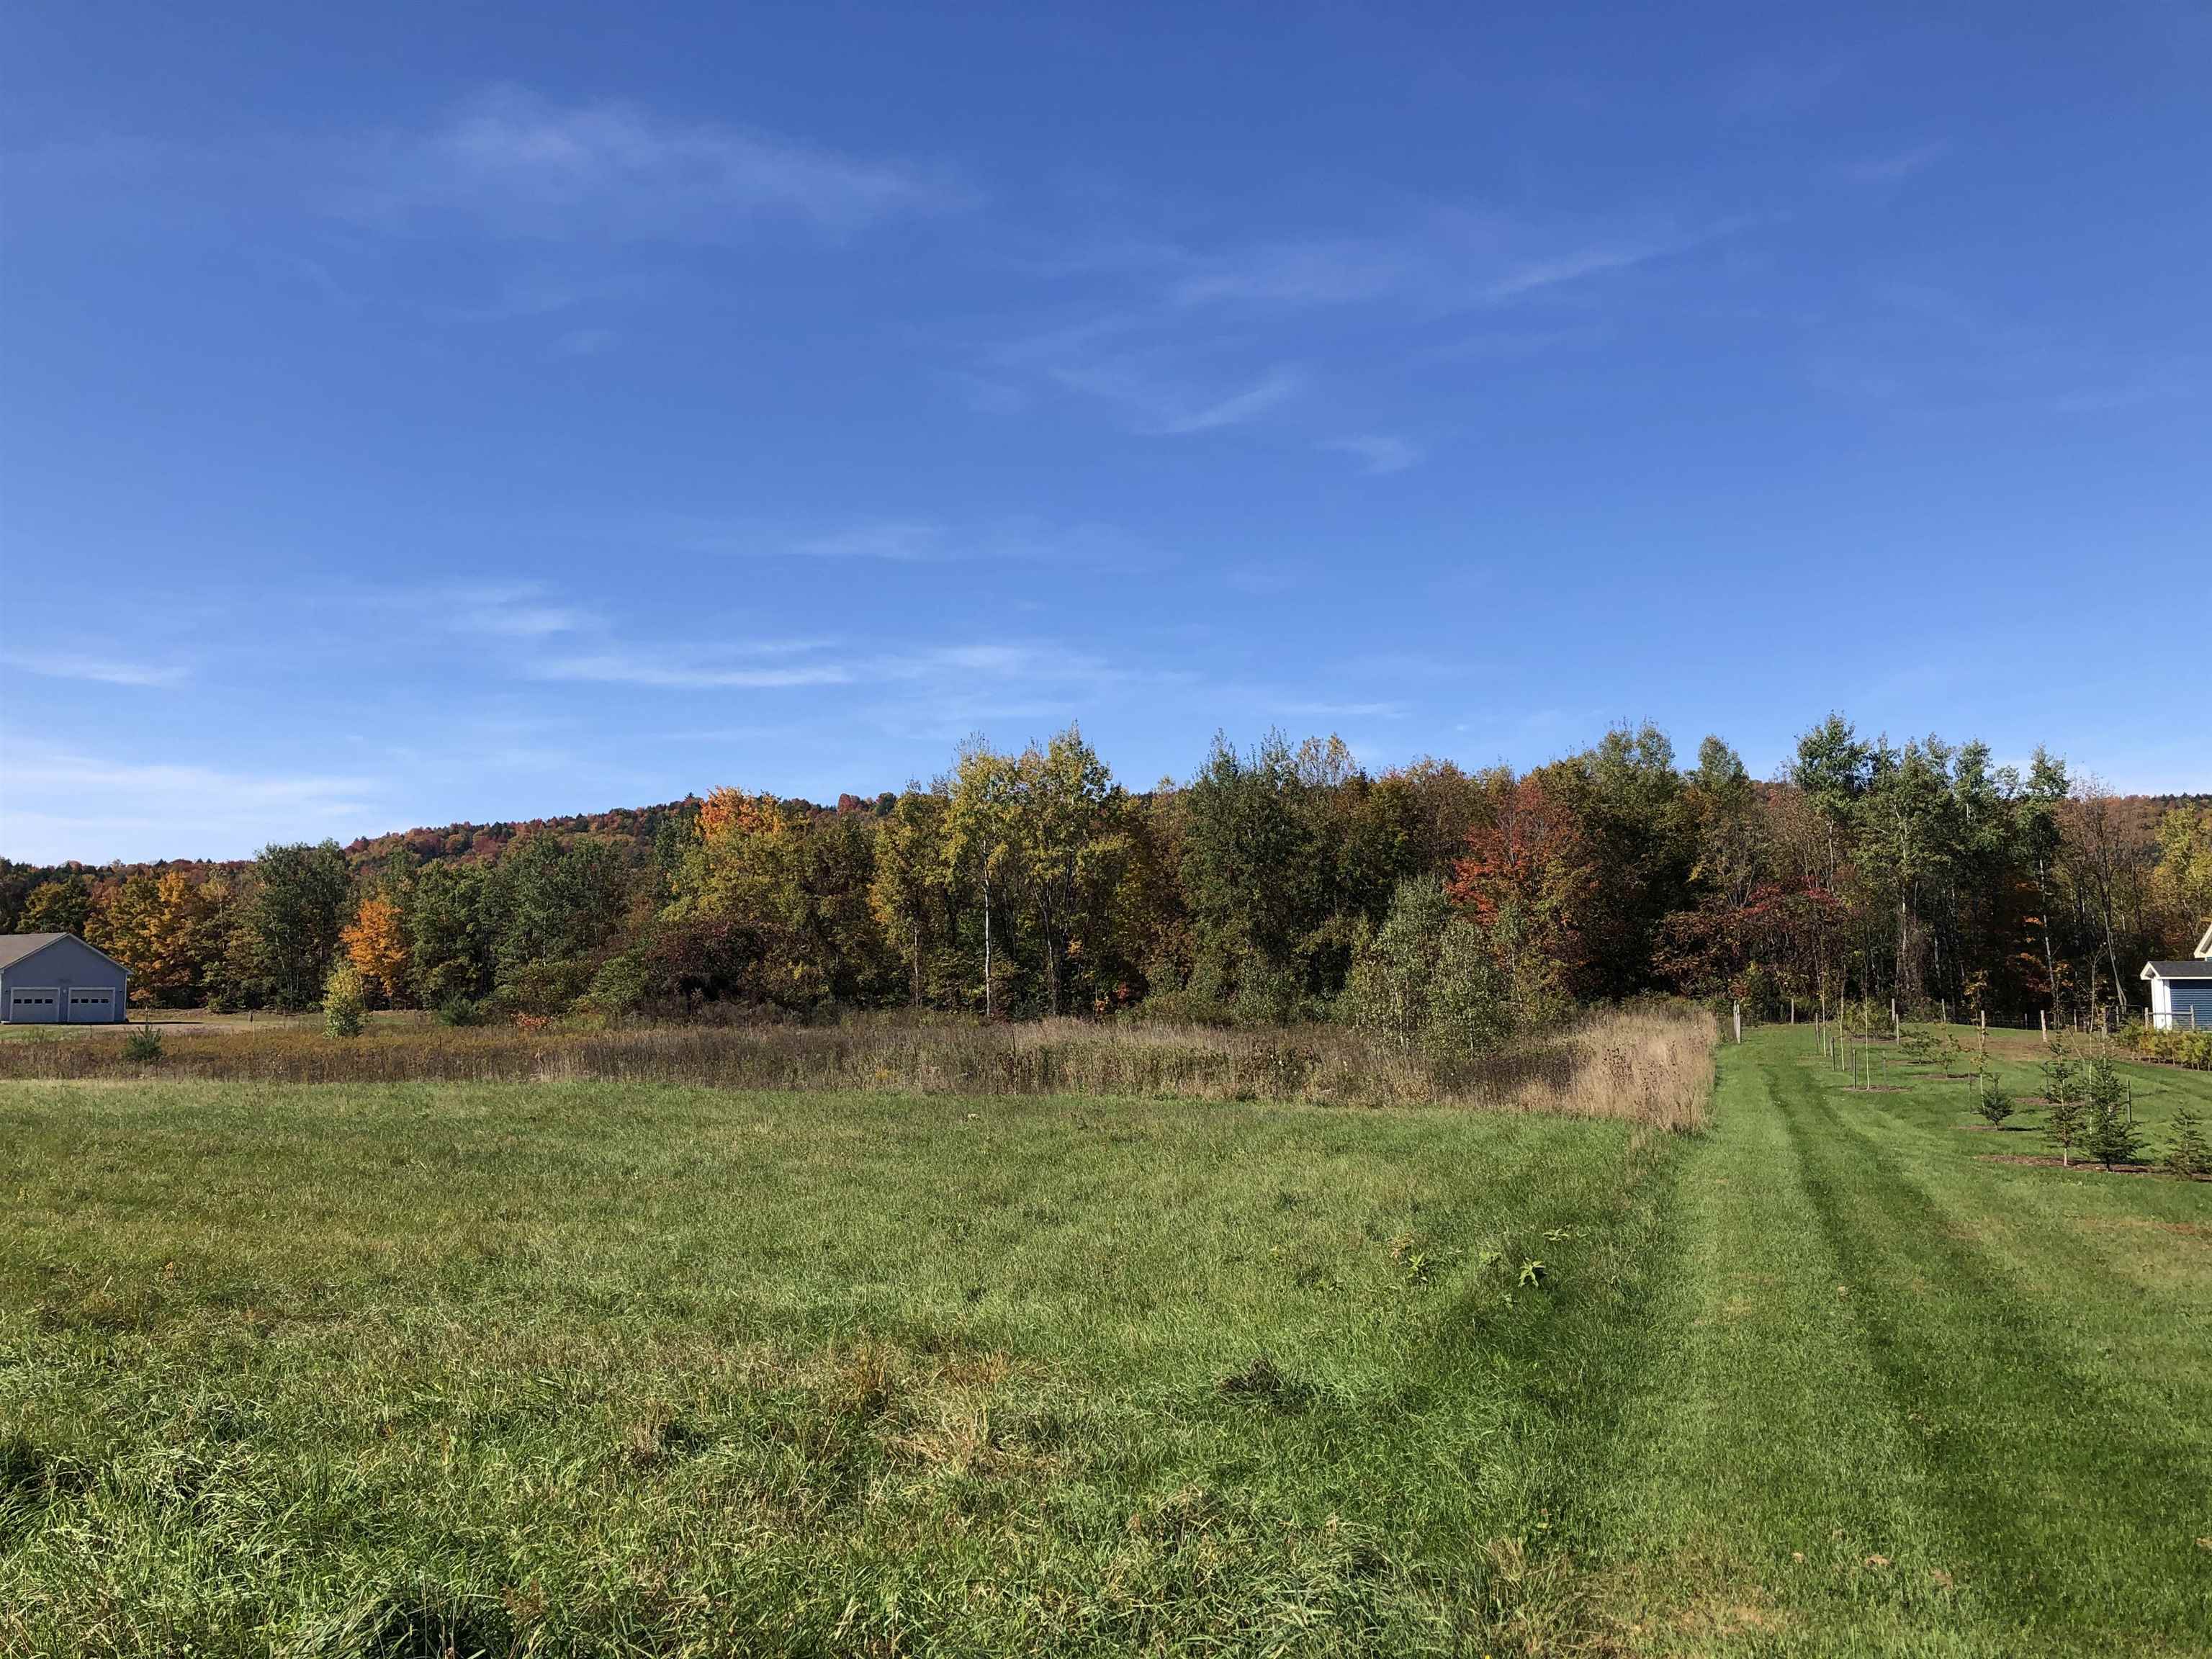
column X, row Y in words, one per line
column 1650, row 1064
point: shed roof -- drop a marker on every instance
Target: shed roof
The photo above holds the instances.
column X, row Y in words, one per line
column 14, row 947
column 2199, row 969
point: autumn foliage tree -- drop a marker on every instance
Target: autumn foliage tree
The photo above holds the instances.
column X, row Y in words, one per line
column 1270, row 885
column 375, row 942
column 1528, row 880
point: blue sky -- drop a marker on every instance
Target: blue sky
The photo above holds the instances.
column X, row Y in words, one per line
column 410, row 414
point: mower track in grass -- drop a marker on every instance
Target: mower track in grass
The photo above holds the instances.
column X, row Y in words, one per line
column 1914, row 1407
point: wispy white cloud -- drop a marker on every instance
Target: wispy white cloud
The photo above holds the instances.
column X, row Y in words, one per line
column 672, row 670
column 2127, row 394
column 1275, row 387
column 1516, row 344
column 1773, row 88
column 64, row 803
column 1530, row 276
column 511, row 162
column 1344, row 711
column 987, row 394
column 1197, row 340
column 1381, row 452
column 900, row 541
column 1325, row 271
column 1445, row 261
column 1163, row 407
column 1898, row 164
column 905, row 541
column 515, row 611
column 96, row 670
column 583, row 343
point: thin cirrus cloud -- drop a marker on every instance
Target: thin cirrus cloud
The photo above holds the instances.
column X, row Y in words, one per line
column 583, row 343
column 508, row 611
column 1446, row 261
column 893, row 540
column 1898, row 164
column 670, row 670
column 514, row 163
column 1379, row 452
column 1161, row 407
column 94, row 670
column 1175, row 353
column 159, row 809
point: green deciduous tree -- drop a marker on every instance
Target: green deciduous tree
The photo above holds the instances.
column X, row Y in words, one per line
column 62, row 905
column 978, row 850
column 345, row 1001
column 906, row 890
column 444, row 917
column 1067, row 837
column 301, row 900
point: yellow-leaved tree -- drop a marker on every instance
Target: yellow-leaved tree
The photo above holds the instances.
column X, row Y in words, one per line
column 376, row 945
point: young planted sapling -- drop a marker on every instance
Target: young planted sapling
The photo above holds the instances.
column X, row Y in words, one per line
column 1991, row 1101
column 2187, row 1155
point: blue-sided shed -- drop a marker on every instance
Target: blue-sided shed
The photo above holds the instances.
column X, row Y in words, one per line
column 2181, row 991
column 57, row 979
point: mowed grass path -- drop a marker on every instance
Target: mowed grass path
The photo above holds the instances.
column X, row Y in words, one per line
column 1906, row 1400
column 590, row 1368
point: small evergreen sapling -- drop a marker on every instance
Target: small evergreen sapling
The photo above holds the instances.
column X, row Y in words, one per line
column 2188, row 1156
column 2062, row 1086
column 2111, row 1136
column 1991, row 1101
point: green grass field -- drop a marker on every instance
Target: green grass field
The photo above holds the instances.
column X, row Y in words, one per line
column 588, row 1368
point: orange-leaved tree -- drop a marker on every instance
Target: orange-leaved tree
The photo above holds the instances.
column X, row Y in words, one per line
column 376, row 944
column 1528, row 881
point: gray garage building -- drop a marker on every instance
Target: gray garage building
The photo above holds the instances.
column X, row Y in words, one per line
column 57, row 979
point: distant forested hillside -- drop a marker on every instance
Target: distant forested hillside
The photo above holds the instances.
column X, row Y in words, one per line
column 1280, row 882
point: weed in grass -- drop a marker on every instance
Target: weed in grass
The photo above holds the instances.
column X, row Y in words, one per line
column 1261, row 1381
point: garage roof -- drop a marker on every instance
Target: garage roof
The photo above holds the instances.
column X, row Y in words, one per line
column 14, row 947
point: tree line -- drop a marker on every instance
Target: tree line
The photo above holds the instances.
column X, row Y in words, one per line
column 1280, row 882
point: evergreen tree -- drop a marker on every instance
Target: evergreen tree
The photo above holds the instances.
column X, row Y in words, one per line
column 2187, row 1154
column 1991, row 1101
column 2108, row 1134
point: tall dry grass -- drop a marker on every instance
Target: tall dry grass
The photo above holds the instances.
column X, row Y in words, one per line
column 1652, row 1064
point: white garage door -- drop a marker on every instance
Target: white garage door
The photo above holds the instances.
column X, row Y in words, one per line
column 32, row 1005
column 92, row 1008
